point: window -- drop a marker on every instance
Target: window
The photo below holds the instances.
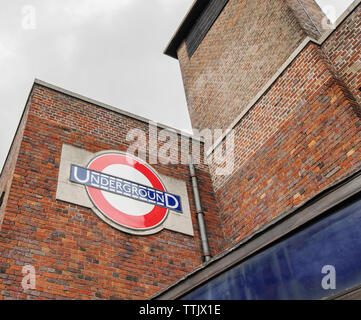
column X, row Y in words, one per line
column 291, row 268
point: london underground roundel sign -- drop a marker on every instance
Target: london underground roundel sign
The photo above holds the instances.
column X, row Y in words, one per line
column 126, row 190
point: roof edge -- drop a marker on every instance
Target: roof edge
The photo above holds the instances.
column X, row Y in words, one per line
column 114, row 109
column 185, row 26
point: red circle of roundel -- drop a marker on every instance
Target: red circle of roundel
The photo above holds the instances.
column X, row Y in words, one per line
column 150, row 220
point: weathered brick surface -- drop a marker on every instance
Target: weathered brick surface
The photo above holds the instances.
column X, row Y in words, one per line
column 246, row 45
column 343, row 48
column 10, row 163
column 300, row 137
column 318, row 145
column 310, row 16
column 75, row 254
column 287, row 95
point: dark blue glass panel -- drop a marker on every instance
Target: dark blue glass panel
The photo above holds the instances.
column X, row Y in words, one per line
column 291, row 269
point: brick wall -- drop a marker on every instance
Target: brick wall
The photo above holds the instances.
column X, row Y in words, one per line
column 315, row 142
column 75, row 254
column 246, row 45
column 343, row 48
column 302, row 136
column 310, row 16
column 10, row 163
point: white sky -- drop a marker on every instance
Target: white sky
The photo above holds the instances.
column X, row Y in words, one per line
column 108, row 50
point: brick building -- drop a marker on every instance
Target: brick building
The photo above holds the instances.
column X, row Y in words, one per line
column 283, row 222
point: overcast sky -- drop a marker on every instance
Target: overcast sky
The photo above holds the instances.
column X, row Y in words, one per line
column 108, row 50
